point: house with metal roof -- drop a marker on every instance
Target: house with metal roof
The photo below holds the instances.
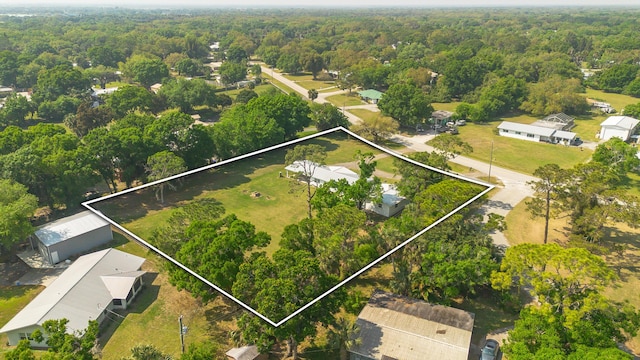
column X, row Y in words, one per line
column 321, row 174
column 397, row 327
column 525, row 131
column 249, row 352
column 70, row 236
column 536, row 133
column 559, row 121
column 392, row 202
column 370, row 95
column 90, row 289
column 618, row 126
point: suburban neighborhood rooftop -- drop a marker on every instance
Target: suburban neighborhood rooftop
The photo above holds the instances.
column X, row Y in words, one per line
column 78, row 294
column 623, row 122
column 399, row 327
column 69, row 227
column 530, row 129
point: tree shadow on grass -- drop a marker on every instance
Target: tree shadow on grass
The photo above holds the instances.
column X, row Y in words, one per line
column 138, row 204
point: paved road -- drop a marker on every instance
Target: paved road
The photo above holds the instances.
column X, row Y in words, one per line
column 513, row 191
column 514, row 188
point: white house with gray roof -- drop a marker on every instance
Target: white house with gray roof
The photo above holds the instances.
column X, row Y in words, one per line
column 392, row 202
column 70, row 236
column 89, row 289
column 535, row 133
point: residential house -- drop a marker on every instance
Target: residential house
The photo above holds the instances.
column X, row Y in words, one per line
column 90, row 289
column 392, row 202
column 618, row 126
column 401, row 328
column 370, row 95
column 321, row 174
column 560, row 121
column 155, row 87
column 536, row 133
column 70, row 236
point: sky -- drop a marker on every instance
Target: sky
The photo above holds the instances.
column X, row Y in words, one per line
column 316, row 3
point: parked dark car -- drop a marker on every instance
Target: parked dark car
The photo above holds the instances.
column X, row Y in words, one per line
column 490, row 350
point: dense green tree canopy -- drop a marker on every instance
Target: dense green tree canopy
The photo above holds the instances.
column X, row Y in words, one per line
column 64, row 345
column 290, row 279
column 243, row 129
column 406, row 103
column 215, row 250
column 60, row 80
column 290, row 112
column 573, row 315
column 231, row 72
column 555, row 95
column 129, row 99
column 186, row 94
column 17, row 207
column 618, row 155
column 145, row 70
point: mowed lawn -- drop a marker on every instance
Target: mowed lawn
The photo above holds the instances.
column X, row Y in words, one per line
column 348, row 99
column 515, row 154
column 306, row 81
column 252, row 188
column 617, row 101
column 12, row 300
column 153, row 316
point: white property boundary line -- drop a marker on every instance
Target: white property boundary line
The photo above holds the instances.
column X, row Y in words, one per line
column 88, row 204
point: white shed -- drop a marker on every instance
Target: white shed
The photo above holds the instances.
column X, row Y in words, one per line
column 73, row 235
column 618, row 126
column 392, row 202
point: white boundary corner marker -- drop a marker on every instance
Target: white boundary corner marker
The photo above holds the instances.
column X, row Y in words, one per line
column 88, row 204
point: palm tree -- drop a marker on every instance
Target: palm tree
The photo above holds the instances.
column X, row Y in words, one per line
column 344, row 335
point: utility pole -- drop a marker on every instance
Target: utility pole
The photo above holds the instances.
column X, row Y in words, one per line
column 490, row 161
column 181, row 333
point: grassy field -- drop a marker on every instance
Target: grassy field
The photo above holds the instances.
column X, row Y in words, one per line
column 618, row 101
column 365, row 114
column 451, row 106
column 12, row 300
column 306, row 81
column 632, row 184
column 341, row 100
column 234, row 185
column 517, row 154
column 153, row 318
